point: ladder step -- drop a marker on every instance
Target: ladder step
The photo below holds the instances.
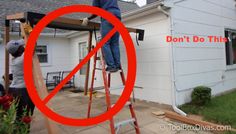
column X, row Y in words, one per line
column 114, row 72
column 128, row 103
column 117, row 88
column 111, row 88
column 124, row 123
column 108, row 71
column 114, row 88
column 98, row 68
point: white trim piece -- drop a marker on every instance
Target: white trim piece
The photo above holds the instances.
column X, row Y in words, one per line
column 75, row 34
column 231, row 67
column 80, row 53
column 178, row 1
column 143, row 11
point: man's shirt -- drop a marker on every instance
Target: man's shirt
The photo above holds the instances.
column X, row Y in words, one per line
column 18, row 72
column 108, row 5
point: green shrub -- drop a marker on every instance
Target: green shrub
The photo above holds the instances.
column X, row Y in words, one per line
column 9, row 124
column 201, row 95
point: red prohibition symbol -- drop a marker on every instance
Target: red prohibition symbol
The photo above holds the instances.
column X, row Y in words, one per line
column 41, row 104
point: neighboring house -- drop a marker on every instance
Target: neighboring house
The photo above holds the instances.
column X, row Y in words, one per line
column 167, row 71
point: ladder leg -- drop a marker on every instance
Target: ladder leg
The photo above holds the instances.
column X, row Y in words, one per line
column 131, row 106
column 134, row 116
column 107, row 92
column 109, row 80
column 91, row 88
column 108, row 101
column 122, row 76
column 90, row 101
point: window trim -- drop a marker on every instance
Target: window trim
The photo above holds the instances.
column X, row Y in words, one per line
column 233, row 66
column 79, row 54
column 49, row 63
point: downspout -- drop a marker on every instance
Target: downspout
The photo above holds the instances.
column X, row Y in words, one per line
column 173, row 77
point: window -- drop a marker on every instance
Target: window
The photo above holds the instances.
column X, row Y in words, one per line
column 42, row 52
column 83, row 51
column 230, row 47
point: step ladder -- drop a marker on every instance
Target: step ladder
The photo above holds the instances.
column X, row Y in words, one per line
column 115, row 127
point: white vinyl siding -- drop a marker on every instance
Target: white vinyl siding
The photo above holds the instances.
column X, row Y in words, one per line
column 153, row 61
column 202, row 63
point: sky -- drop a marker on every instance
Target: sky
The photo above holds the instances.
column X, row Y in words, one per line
column 141, row 2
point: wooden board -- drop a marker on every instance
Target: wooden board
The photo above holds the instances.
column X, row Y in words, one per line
column 6, row 40
column 43, row 92
column 88, row 64
column 175, row 116
column 158, row 113
column 61, row 22
column 41, row 87
column 15, row 16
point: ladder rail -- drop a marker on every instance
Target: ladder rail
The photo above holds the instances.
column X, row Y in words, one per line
column 108, row 99
column 107, row 83
column 92, row 85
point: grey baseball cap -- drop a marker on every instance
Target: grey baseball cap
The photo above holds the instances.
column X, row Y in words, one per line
column 13, row 45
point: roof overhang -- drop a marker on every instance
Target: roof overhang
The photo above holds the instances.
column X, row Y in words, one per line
column 145, row 10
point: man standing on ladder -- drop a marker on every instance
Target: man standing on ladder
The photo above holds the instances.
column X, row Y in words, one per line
column 111, row 55
column 111, row 48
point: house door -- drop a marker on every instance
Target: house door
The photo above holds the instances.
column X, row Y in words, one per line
column 83, row 51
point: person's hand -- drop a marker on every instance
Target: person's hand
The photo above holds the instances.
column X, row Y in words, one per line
column 85, row 22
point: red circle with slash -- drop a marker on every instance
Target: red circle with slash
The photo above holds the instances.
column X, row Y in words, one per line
column 28, row 65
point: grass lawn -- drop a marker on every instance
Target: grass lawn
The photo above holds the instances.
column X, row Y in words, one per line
column 221, row 110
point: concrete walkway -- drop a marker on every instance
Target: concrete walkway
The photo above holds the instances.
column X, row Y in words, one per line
column 74, row 105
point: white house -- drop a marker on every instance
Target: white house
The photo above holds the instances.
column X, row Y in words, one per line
column 167, row 71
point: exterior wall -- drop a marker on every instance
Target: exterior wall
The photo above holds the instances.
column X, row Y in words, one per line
column 60, row 58
column 153, row 62
column 74, row 49
column 202, row 63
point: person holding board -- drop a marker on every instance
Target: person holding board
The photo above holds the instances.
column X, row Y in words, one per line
column 17, row 88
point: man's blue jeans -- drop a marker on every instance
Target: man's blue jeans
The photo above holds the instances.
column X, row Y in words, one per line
column 111, row 48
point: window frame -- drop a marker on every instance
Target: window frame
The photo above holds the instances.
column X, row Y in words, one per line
column 230, row 66
column 84, row 44
column 49, row 61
